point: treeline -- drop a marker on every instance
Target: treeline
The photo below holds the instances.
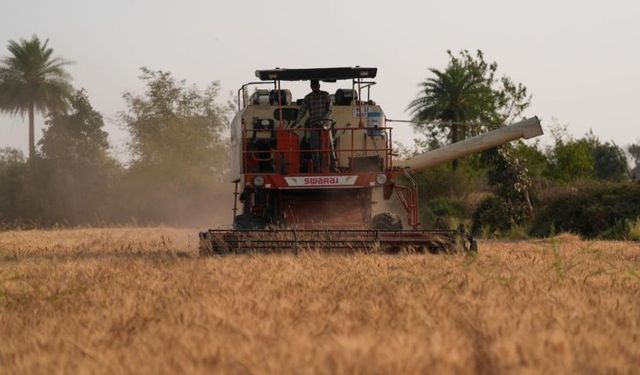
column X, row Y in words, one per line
column 580, row 185
column 176, row 174
column 176, row 171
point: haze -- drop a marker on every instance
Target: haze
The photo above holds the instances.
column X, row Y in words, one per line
column 579, row 60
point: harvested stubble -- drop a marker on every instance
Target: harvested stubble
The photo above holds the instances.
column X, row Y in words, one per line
column 141, row 301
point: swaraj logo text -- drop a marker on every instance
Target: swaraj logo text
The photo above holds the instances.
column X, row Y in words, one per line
column 328, row 180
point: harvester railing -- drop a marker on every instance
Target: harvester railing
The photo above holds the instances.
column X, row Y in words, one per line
column 242, row 92
column 264, row 150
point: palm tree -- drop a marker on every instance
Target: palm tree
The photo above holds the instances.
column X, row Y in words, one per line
column 456, row 95
column 452, row 98
column 31, row 80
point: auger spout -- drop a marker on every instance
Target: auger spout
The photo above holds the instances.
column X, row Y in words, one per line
column 526, row 129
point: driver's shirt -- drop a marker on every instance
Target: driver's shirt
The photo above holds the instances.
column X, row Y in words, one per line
column 318, row 104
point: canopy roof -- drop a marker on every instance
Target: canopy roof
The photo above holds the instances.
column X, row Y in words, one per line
column 321, row 74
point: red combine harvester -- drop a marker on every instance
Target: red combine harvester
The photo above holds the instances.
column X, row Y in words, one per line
column 306, row 183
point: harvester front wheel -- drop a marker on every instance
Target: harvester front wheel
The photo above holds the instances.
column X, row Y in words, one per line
column 249, row 221
column 386, row 221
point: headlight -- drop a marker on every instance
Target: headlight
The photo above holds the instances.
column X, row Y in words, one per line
column 381, row 179
column 258, row 181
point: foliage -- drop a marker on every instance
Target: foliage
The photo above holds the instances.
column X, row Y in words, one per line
column 443, row 213
column 31, row 80
column 178, row 162
column 586, row 158
column 468, row 97
column 444, row 193
column 11, row 156
column 609, row 162
column 535, row 158
column 175, row 126
column 440, row 181
column 493, row 217
column 508, row 174
column 177, row 144
column 570, row 161
column 75, row 165
column 16, row 204
column 591, row 210
column 76, row 138
column 634, row 230
column 468, row 93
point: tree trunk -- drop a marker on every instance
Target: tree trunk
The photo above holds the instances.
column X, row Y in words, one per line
column 527, row 199
column 454, row 139
column 32, row 142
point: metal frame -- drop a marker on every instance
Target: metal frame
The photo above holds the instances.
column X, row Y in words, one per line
column 243, row 90
column 248, row 155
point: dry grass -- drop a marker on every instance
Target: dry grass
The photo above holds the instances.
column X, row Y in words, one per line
column 141, row 301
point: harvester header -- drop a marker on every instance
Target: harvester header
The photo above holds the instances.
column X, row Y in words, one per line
column 305, row 169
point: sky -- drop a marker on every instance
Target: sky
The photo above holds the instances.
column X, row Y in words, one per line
column 579, row 59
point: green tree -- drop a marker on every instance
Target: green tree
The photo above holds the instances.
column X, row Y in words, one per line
column 609, row 162
column 585, row 158
column 570, row 160
column 511, row 204
column 77, row 137
column 76, row 167
column 15, row 202
column 535, row 158
column 177, row 143
column 32, row 79
column 466, row 99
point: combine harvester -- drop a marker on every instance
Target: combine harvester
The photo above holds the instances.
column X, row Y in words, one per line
column 294, row 196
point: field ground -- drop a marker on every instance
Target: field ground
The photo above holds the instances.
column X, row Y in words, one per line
column 131, row 300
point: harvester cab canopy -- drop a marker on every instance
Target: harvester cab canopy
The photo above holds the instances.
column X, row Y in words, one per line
column 361, row 83
column 320, row 74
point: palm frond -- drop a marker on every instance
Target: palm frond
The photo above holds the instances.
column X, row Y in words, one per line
column 31, row 76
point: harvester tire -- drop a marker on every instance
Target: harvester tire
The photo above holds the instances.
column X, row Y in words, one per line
column 387, row 221
column 248, row 221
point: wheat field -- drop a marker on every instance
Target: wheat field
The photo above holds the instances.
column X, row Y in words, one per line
column 140, row 300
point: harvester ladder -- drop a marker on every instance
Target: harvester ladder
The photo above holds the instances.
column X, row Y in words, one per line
column 408, row 196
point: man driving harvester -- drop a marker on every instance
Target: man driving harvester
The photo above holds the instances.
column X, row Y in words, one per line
column 318, row 103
